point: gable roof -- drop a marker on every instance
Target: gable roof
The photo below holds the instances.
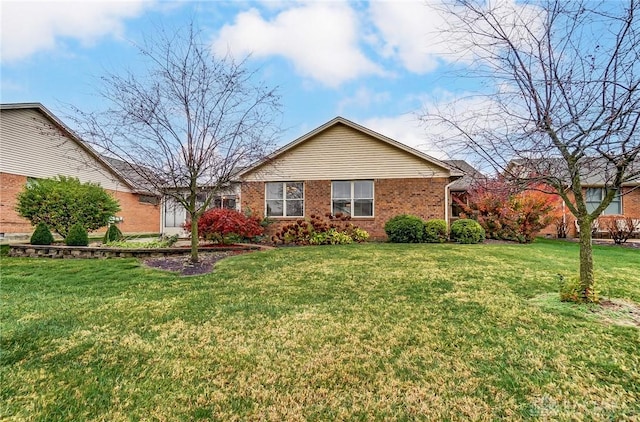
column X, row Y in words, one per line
column 341, row 120
column 471, row 175
column 76, row 139
column 594, row 171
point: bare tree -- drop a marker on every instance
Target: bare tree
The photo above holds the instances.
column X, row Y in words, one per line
column 187, row 124
column 561, row 98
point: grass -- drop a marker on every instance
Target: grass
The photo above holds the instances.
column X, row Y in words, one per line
column 355, row 332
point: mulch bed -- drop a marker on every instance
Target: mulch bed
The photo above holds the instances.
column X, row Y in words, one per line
column 183, row 265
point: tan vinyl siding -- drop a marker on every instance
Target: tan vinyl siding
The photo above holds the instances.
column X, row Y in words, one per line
column 343, row 153
column 31, row 145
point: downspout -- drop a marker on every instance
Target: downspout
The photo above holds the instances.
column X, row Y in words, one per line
column 446, row 201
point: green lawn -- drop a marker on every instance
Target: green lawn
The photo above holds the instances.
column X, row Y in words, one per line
column 356, row 332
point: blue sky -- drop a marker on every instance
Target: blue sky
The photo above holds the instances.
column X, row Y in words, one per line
column 377, row 63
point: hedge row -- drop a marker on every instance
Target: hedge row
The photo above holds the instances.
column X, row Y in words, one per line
column 412, row 229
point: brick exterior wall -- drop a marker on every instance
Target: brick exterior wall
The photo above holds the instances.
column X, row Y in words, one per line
column 138, row 217
column 423, row 197
column 630, row 208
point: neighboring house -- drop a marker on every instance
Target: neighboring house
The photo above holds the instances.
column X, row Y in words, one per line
column 35, row 144
column 174, row 215
column 594, row 177
column 342, row 167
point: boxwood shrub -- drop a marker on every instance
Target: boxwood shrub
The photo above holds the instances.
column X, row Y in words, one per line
column 77, row 236
column 467, row 231
column 42, row 235
column 405, row 229
column 435, row 231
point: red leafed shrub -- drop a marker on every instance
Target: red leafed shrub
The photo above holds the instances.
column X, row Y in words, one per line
column 337, row 229
column 220, row 224
column 506, row 213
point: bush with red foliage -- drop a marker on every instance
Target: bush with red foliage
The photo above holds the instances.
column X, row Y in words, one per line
column 508, row 213
column 337, row 229
column 221, row 224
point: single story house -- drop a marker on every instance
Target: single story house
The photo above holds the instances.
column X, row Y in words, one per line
column 343, row 167
column 36, row 144
column 594, row 174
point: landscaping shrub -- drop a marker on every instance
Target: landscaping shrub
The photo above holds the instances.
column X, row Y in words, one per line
column 506, row 212
column 336, row 230
column 435, row 231
column 221, row 225
column 405, row 229
column 42, row 235
column 571, row 291
column 113, row 234
column 77, row 236
column 467, row 231
column 620, row 228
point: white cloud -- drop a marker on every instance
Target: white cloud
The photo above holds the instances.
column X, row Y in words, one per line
column 29, row 27
column 320, row 39
column 421, row 34
column 410, row 33
column 363, row 98
column 405, row 129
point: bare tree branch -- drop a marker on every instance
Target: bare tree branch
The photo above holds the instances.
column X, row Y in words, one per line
column 188, row 124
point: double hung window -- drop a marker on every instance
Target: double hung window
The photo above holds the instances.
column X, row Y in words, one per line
column 285, row 199
column 354, row 198
column 595, row 196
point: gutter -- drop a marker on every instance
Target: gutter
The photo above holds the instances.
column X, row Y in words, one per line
column 446, row 201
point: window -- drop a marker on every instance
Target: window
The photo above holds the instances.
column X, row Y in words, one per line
column 595, row 196
column 285, row 199
column 457, row 208
column 354, row 198
column 174, row 213
column 148, row 199
column 226, row 202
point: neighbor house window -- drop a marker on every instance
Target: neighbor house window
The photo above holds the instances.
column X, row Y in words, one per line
column 226, row 202
column 285, row 199
column 354, row 198
column 174, row 213
column 148, row 199
column 595, row 196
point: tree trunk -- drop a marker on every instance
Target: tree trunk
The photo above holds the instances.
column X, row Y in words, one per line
column 194, row 240
column 587, row 281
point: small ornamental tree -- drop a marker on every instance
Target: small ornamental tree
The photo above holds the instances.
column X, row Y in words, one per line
column 61, row 202
column 42, row 235
column 218, row 224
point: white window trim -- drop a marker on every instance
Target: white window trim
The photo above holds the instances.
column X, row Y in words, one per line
column 352, row 182
column 284, row 200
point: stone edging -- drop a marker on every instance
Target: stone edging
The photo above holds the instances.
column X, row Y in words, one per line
column 85, row 252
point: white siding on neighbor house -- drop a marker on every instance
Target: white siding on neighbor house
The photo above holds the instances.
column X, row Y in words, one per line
column 344, row 153
column 31, row 145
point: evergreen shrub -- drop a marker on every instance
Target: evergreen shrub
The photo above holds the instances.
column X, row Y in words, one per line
column 42, row 235
column 113, row 234
column 405, row 228
column 467, row 231
column 77, row 236
column 435, row 231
